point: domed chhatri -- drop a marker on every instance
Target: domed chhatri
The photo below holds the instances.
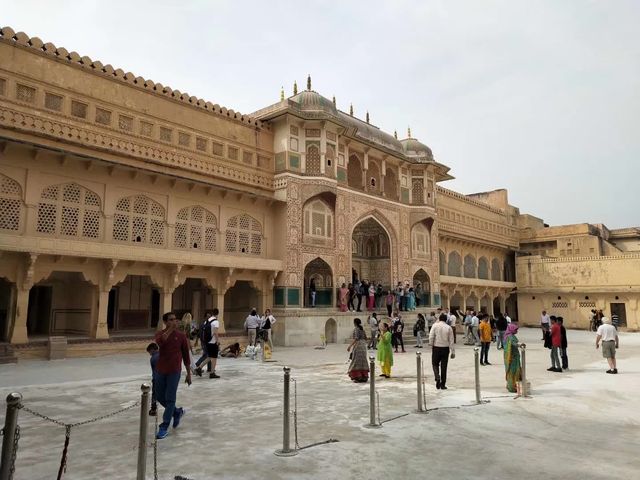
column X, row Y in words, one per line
column 309, row 100
column 417, row 150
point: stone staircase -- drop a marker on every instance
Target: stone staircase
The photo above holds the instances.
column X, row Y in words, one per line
column 7, row 354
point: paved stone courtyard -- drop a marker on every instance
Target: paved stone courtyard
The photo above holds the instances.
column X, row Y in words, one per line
column 578, row 424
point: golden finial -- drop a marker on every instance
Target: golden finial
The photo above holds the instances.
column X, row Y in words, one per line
column 367, row 116
column 334, row 100
column 281, row 93
column 395, row 134
column 295, row 87
column 351, row 109
column 409, row 132
column 308, row 82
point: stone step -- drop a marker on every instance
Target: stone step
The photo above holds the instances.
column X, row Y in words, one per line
column 7, row 354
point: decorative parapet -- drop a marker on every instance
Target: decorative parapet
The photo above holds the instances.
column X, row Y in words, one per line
column 607, row 258
column 466, row 199
column 21, row 39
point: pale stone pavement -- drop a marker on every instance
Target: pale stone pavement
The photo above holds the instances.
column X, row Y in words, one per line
column 581, row 424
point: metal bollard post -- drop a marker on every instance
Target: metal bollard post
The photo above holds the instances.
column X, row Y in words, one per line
column 286, row 451
column 144, row 430
column 14, row 401
column 372, row 394
column 476, row 355
column 525, row 386
column 419, row 379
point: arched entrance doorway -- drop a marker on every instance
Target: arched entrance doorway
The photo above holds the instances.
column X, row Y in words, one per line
column 331, row 331
column 320, row 272
column 456, row 302
column 238, row 302
column 422, row 278
column 371, row 253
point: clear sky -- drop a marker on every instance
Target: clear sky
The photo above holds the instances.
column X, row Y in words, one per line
column 541, row 98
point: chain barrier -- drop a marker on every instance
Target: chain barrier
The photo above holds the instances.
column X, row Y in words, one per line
column 67, row 432
column 14, row 454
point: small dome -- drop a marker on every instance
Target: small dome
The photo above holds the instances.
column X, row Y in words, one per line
column 415, row 149
column 311, row 101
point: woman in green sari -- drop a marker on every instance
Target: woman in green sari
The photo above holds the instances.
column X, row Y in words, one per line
column 385, row 356
column 512, row 365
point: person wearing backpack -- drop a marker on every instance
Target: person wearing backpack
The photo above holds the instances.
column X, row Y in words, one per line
column 210, row 344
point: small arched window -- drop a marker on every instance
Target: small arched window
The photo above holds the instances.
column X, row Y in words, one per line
column 454, row 265
column 69, row 210
column 354, row 172
column 421, row 241
column 196, row 228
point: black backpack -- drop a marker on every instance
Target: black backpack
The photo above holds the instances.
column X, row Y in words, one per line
column 205, row 332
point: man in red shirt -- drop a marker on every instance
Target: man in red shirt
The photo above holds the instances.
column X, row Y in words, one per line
column 174, row 349
column 556, row 344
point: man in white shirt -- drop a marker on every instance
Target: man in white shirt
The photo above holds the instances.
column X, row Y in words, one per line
column 251, row 324
column 544, row 322
column 210, row 344
column 609, row 337
column 373, row 326
column 453, row 319
column 266, row 324
column 441, row 340
column 475, row 323
column 507, row 317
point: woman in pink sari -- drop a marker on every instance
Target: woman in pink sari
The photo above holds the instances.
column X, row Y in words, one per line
column 344, row 297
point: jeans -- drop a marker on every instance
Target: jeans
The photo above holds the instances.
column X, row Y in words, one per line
column 389, row 308
column 564, row 357
column 166, row 391
column 313, row 299
column 484, row 352
column 500, row 339
column 555, row 358
column 439, row 362
column 359, row 303
column 203, row 358
column 474, row 332
column 374, row 336
column 350, row 304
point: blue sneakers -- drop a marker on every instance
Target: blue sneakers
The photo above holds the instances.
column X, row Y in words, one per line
column 177, row 416
column 162, row 433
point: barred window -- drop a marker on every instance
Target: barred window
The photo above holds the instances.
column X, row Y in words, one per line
column 201, row 144
column 184, row 139
column 79, row 109
column 218, row 149
column 313, row 160
column 318, row 219
column 24, row 93
column 139, row 219
column 103, row 116
column 146, row 129
column 10, row 204
column 196, row 228
column 125, row 123
column 243, row 235
column 69, row 210
column 53, row 101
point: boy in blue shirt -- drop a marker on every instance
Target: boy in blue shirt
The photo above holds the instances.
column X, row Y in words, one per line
column 154, row 352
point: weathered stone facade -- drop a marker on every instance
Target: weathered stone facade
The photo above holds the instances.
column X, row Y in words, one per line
column 121, row 198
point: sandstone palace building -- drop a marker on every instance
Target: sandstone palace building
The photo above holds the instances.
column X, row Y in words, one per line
column 122, row 198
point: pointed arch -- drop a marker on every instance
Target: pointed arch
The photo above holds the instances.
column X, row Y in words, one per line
column 243, row 235
column 454, row 265
column 496, row 269
column 196, row 228
column 483, row 268
column 373, row 177
column 139, row 219
column 69, row 210
column 421, row 239
column 318, row 221
column 469, row 266
column 10, row 204
column 391, row 184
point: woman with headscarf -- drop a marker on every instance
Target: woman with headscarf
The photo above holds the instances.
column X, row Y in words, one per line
column 512, row 366
column 344, row 297
column 359, row 367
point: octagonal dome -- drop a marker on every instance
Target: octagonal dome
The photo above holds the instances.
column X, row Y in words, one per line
column 415, row 149
column 310, row 101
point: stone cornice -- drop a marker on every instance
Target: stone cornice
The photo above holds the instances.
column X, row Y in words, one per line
column 61, row 129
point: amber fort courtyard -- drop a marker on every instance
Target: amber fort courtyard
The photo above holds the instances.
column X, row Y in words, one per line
column 122, row 198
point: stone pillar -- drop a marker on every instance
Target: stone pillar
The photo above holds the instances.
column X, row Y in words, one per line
column 219, row 297
column 195, row 304
column 503, row 303
column 100, row 327
column 166, row 304
column 19, row 328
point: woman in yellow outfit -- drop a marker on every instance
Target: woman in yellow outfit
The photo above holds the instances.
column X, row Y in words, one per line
column 385, row 355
